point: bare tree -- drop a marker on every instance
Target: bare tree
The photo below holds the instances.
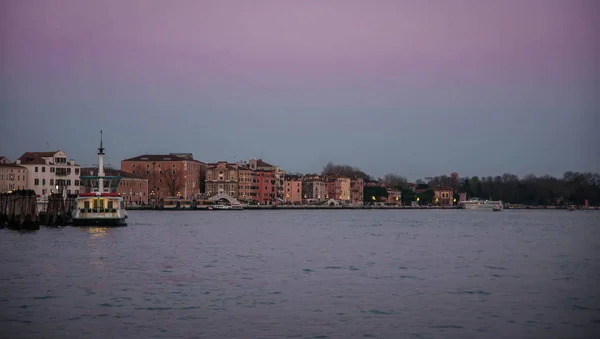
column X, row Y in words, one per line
column 344, row 170
column 173, row 179
column 394, row 180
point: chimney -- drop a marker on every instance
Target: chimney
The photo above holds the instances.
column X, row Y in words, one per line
column 18, row 162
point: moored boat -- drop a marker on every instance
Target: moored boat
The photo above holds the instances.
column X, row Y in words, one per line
column 100, row 204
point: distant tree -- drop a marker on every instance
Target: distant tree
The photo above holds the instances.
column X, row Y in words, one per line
column 426, row 197
column 378, row 192
column 344, row 170
column 394, row 180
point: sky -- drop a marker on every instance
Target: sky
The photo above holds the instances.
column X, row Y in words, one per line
column 418, row 88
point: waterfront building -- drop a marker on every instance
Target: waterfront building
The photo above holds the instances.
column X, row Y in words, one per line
column 169, row 175
column 278, row 173
column 222, row 177
column 394, row 197
column 357, row 191
column 12, row 177
column 443, row 196
column 50, row 172
column 314, row 189
column 292, row 192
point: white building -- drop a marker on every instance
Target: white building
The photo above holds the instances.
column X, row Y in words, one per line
column 50, row 172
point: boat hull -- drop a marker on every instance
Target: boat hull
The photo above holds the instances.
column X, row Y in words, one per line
column 107, row 222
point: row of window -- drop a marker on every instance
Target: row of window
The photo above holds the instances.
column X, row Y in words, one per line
column 36, row 182
column 60, row 171
column 11, row 177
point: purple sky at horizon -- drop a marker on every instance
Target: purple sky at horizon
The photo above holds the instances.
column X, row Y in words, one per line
column 420, row 88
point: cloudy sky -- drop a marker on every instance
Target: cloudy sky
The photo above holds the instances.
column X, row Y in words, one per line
column 414, row 87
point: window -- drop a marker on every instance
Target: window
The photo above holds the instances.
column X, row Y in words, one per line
column 68, row 191
column 76, row 182
column 76, row 191
column 43, row 169
column 86, row 205
column 51, row 182
column 77, row 171
column 36, row 181
column 69, row 182
column 36, row 169
column 51, row 169
column 43, row 181
column 110, row 204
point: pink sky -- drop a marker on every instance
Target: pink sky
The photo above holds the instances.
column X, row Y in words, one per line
column 520, row 56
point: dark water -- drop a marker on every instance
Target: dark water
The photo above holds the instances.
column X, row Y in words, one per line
column 307, row 274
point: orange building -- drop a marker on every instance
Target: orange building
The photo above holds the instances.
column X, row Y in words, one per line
column 174, row 174
column 292, row 187
column 12, row 177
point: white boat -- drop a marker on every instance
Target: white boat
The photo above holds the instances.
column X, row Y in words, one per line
column 237, row 206
column 220, row 207
column 100, row 205
column 478, row 204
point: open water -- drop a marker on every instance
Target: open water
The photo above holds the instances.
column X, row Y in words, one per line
column 307, row 274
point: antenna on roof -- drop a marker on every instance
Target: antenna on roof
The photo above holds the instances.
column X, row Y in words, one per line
column 47, row 145
column 100, row 149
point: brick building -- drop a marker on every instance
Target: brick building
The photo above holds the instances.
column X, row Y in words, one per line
column 174, row 174
column 267, row 186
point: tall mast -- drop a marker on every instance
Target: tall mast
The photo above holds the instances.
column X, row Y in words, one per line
column 101, row 166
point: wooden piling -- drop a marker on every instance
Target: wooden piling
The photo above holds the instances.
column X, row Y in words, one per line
column 18, row 210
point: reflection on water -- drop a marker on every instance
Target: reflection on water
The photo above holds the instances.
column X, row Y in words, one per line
column 97, row 232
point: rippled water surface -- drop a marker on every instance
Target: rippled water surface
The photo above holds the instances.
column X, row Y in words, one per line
column 307, row 274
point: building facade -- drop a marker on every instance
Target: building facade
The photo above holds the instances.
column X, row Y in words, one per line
column 279, row 174
column 357, row 191
column 292, row 190
column 443, row 196
column 394, row 197
column 169, row 175
column 50, row 172
column 341, row 189
column 314, row 189
column 222, row 177
column 12, row 177
column 267, row 186
column 248, row 189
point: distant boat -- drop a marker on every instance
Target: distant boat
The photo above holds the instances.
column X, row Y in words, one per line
column 478, row 204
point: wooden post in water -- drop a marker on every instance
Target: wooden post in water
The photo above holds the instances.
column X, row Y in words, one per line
column 18, row 210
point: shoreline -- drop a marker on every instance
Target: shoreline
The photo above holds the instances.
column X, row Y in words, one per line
column 316, row 207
